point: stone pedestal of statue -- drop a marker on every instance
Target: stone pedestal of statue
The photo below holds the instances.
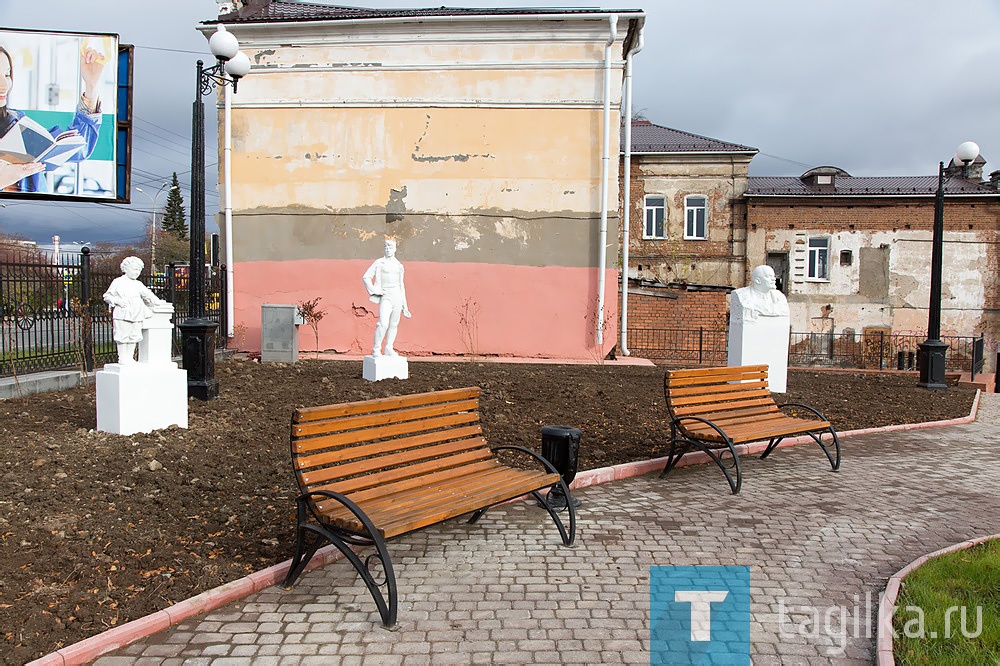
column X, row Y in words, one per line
column 763, row 340
column 148, row 395
column 376, row 368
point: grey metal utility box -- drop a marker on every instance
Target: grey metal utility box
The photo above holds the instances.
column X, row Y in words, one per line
column 279, row 333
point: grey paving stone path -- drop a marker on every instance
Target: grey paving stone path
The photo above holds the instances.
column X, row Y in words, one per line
column 506, row 591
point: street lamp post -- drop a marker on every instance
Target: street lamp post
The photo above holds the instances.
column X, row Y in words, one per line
column 931, row 352
column 152, row 239
column 198, row 332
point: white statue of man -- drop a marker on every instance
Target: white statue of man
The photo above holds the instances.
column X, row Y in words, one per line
column 384, row 282
column 759, row 299
column 130, row 302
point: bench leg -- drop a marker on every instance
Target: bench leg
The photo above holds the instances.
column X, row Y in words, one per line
column 817, row 437
column 567, row 537
column 386, row 604
column 676, row 452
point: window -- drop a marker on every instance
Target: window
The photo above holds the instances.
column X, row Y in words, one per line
column 694, row 218
column 656, row 213
column 819, row 258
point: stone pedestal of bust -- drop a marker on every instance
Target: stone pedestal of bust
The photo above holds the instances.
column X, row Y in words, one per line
column 759, row 327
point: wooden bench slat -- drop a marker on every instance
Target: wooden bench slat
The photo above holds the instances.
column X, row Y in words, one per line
column 456, row 508
column 306, row 414
column 303, row 445
column 750, row 431
column 718, row 398
column 359, row 485
column 716, row 372
column 399, row 506
column 382, row 418
column 709, row 389
column 445, row 479
column 344, row 454
column 696, row 410
column 400, row 459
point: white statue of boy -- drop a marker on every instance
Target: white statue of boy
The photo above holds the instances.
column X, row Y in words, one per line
column 384, row 282
column 130, row 301
column 759, row 299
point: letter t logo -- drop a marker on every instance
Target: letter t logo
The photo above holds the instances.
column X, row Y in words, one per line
column 701, row 610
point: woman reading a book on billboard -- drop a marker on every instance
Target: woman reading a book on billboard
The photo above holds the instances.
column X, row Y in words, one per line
column 29, row 176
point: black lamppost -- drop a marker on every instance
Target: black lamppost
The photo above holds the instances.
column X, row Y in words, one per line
column 197, row 332
column 931, row 352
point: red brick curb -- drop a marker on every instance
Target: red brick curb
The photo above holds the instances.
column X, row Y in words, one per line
column 888, row 601
column 91, row 648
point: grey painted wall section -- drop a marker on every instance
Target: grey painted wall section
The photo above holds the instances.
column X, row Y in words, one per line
column 517, row 239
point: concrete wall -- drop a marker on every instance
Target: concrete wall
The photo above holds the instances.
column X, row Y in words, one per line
column 475, row 144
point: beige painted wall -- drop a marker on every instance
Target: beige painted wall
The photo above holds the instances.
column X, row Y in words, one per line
column 470, row 142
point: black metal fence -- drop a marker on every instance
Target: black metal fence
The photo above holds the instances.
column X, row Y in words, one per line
column 52, row 314
column 870, row 350
column 679, row 345
column 877, row 350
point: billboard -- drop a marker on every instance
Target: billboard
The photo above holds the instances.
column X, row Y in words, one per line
column 60, row 101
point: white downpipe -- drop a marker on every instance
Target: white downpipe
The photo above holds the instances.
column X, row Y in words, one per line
column 627, row 214
column 228, row 211
column 602, row 244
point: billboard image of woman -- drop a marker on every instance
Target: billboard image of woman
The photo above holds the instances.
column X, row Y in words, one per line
column 57, row 114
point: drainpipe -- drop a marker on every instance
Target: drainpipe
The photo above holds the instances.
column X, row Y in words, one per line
column 627, row 199
column 228, row 185
column 602, row 245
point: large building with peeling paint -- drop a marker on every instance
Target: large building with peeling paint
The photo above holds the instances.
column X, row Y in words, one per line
column 485, row 141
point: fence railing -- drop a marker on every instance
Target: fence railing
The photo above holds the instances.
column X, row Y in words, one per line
column 875, row 350
column 701, row 345
column 52, row 314
column 872, row 350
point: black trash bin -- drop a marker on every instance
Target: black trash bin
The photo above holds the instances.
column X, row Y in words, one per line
column 561, row 447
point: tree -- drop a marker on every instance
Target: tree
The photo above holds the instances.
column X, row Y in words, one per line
column 173, row 214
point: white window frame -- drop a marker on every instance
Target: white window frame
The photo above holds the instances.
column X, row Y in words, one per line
column 817, row 258
column 648, row 226
column 690, row 228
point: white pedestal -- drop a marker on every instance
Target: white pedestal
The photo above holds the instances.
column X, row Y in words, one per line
column 763, row 340
column 148, row 395
column 157, row 336
column 141, row 397
column 385, row 367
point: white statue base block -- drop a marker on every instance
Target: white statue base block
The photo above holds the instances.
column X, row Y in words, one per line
column 763, row 340
column 141, row 397
column 385, row 367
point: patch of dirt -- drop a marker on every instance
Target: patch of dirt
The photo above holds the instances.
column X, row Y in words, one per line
column 99, row 529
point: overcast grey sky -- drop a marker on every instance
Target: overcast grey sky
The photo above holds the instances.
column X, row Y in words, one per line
column 876, row 87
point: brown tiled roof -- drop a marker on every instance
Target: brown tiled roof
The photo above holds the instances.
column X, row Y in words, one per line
column 257, row 11
column 874, row 186
column 650, row 138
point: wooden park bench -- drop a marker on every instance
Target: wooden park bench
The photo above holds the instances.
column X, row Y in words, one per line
column 714, row 409
column 375, row 470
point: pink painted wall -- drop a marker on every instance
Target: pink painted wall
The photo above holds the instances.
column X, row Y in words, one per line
column 532, row 311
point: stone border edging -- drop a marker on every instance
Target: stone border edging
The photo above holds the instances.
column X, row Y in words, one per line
column 91, row 648
column 887, row 603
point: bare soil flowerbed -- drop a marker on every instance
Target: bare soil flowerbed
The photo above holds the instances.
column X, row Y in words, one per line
column 100, row 529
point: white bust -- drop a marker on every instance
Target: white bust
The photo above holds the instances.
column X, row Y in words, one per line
column 759, row 299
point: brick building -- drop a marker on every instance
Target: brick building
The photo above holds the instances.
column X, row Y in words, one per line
column 686, row 228
column 853, row 253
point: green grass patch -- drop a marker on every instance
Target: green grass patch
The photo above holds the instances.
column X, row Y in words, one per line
column 929, row 623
